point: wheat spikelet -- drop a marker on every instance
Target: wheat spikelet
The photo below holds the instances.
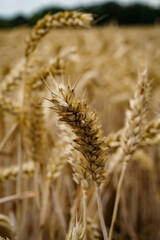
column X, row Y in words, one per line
column 151, row 141
column 142, row 158
column 11, row 173
column 59, row 20
column 93, row 230
column 59, row 158
column 54, row 169
column 6, row 228
column 35, row 138
column 55, row 67
column 89, row 140
column 113, row 140
column 8, row 105
column 77, row 233
column 75, row 158
column 152, row 128
column 35, row 80
column 13, row 78
column 80, row 175
column 151, row 135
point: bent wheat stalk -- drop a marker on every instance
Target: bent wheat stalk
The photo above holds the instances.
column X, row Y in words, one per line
column 72, row 19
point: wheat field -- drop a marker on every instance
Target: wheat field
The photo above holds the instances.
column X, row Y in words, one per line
column 79, row 131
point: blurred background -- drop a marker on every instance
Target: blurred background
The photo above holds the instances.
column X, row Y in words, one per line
column 123, row 12
column 104, row 61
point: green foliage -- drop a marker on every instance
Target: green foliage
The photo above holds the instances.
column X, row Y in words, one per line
column 105, row 13
column 9, row 23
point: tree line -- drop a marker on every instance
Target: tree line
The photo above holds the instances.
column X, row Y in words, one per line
column 106, row 13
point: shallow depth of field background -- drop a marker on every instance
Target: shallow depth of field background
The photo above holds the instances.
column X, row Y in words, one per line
column 106, row 59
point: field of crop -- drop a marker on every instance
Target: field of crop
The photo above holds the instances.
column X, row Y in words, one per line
column 79, row 131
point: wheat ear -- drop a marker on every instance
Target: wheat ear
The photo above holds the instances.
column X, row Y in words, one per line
column 59, row 20
column 13, row 78
column 7, row 105
column 84, row 124
column 151, row 135
column 35, row 127
column 81, row 176
column 133, row 132
column 89, row 138
column 11, row 173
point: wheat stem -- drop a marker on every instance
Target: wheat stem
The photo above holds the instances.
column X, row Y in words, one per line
column 7, row 136
column 100, row 213
column 85, row 211
column 117, row 199
column 19, row 184
column 59, row 210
